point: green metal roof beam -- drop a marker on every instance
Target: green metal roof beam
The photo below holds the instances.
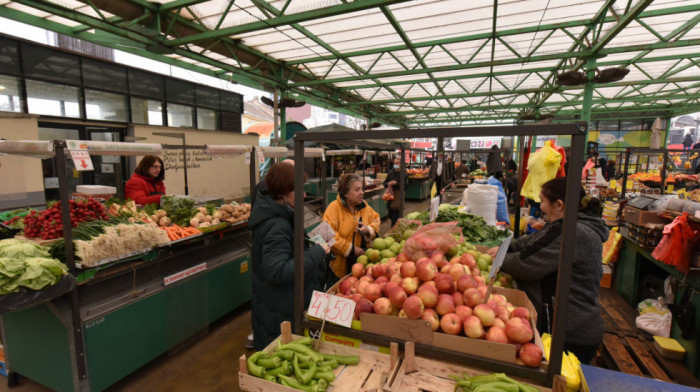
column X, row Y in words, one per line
column 176, row 4
column 284, row 20
column 482, row 36
column 554, row 56
column 624, row 21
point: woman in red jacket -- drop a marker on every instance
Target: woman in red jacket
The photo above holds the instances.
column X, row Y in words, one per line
column 146, row 185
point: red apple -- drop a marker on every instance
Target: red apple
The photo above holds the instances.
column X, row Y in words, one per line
column 445, row 269
column 430, row 283
column 356, row 297
column 408, row 269
column 465, row 282
column 493, row 304
column 346, row 284
column 451, row 324
column 463, row 311
column 372, row 292
column 431, row 316
column 519, row 330
column 410, row 285
column 428, row 294
column 363, row 305
column 362, row 286
column 473, row 328
column 473, row 297
column 494, row 334
column 444, row 283
column 358, row 270
column 438, row 257
column 397, row 296
column 391, row 269
column 378, row 270
column 402, row 257
column 485, row 314
column 382, row 279
column 402, row 314
column 367, row 279
column 500, row 299
column 530, row 354
column 468, row 260
column 502, row 314
column 499, row 323
column 387, row 287
column 455, row 260
column 368, row 270
column 458, row 298
column 475, row 271
column 457, row 271
column 445, row 304
column 413, row 307
column 396, row 278
column 483, row 289
column 425, row 270
column 521, row 312
column 383, row 306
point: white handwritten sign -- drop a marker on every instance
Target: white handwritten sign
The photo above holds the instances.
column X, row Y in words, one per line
column 184, row 274
column 334, row 309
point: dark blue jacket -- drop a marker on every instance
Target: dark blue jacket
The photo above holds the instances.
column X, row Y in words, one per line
column 273, row 268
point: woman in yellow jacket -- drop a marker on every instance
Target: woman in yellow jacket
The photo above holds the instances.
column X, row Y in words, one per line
column 353, row 220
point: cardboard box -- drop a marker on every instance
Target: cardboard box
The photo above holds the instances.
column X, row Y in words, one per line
column 641, row 217
column 419, row 331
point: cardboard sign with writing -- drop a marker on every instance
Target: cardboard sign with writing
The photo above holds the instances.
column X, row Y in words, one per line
column 81, row 160
column 334, row 309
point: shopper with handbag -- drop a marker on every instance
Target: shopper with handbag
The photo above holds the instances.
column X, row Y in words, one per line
column 353, row 221
column 392, row 180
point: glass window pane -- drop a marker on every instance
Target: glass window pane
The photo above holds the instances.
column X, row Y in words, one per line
column 50, row 64
column 206, row 119
column 635, row 125
column 9, row 94
column 52, row 99
column 231, row 102
column 208, row 97
column 180, row 116
column 103, row 75
column 105, row 106
column 179, row 91
column 9, row 57
column 145, row 111
column 146, row 84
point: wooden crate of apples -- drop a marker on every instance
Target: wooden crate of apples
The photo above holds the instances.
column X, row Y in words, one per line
column 447, row 290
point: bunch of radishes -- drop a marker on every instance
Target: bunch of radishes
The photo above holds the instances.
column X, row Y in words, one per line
column 448, row 294
column 48, row 224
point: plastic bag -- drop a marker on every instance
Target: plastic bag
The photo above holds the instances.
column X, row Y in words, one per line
column 483, row 201
column 26, row 298
column 655, row 323
column 432, row 238
column 388, row 194
column 542, row 166
column 570, row 365
column 502, row 204
column 652, row 305
column 403, row 229
column 611, row 247
column 676, row 244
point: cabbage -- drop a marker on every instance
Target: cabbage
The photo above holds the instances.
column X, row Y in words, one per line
column 55, row 267
column 22, row 250
column 11, row 267
column 35, row 276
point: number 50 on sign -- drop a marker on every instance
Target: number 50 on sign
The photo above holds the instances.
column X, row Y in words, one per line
column 336, row 310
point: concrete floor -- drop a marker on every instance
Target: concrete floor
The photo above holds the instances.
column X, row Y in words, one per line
column 208, row 364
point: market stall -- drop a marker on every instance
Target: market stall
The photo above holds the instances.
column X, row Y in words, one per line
column 445, row 351
column 668, row 170
column 146, row 288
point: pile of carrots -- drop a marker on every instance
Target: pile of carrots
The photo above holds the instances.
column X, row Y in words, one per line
column 176, row 232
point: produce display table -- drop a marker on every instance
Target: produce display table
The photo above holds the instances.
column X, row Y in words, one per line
column 418, row 189
column 132, row 313
column 636, row 262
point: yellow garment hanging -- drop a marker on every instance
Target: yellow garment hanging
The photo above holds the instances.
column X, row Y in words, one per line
column 542, row 167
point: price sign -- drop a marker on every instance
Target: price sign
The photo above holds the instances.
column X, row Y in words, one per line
column 81, row 160
column 336, row 310
column 619, row 188
column 682, row 195
column 630, row 184
column 669, row 189
column 434, row 208
column 613, row 184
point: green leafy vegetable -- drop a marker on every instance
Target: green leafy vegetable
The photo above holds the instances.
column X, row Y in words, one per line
column 180, row 209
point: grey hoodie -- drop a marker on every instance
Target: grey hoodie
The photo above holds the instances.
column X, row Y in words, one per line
column 534, row 260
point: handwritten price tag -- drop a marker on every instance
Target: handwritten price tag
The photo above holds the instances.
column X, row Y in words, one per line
column 669, row 189
column 613, row 184
column 339, row 310
column 682, row 195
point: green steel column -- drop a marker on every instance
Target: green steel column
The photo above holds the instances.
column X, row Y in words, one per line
column 588, row 94
column 668, row 128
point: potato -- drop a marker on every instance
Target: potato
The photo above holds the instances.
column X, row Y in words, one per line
column 204, row 224
column 194, row 222
column 225, row 216
column 215, row 221
column 164, row 221
column 227, row 208
column 207, row 218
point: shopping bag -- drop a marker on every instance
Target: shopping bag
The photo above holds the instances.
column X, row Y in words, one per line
column 542, row 166
column 433, row 191
column 433, row 238
column 388, row 193
column 676, row 244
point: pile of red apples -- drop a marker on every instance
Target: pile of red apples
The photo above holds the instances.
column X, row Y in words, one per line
column 447, row 294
